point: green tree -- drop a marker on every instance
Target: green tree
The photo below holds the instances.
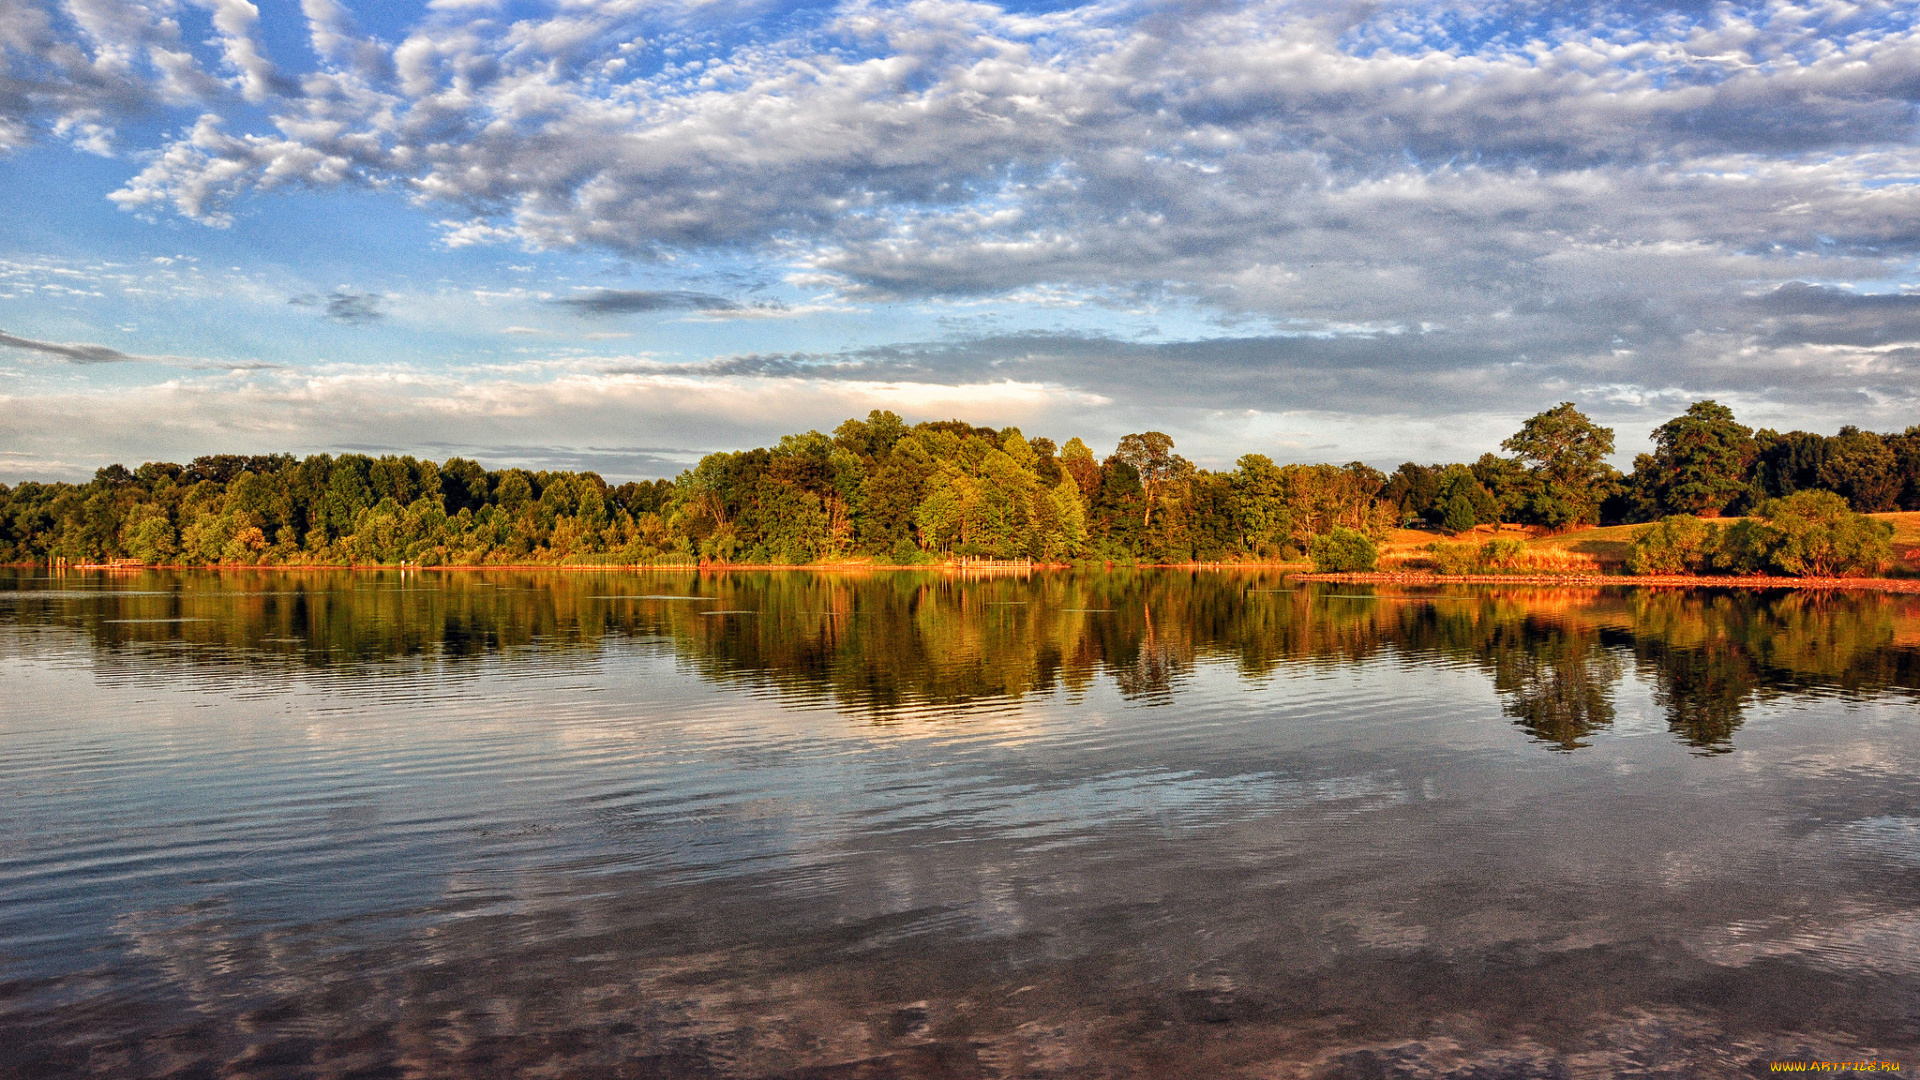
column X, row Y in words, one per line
column 1414, row 490
column 1461, row 501
column 1078, row 462
column 1508, row 482
column 1701, row 463
column 1260, row 490
column 1566, row 453
column 149, row 536
column 1808, row 534
column 1860, row 466
column 1457, row 514
column 1154, row 464
column 1788, row 463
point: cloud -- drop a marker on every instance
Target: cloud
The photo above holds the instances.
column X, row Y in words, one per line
column 1798, row 313
column 80, row 352
column 354, row 309
column 640, row 301
column 615, row 461
column 1340, row 207
column 525, row 419
column 1801, row 298
column 90, row 354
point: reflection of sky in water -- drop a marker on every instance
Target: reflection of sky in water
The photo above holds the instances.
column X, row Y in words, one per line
column 186, row 810
column 1885, row 837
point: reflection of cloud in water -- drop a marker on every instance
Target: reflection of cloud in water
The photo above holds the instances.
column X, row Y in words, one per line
column 1174, row 800
column 1884, row 944
column 1885, row 837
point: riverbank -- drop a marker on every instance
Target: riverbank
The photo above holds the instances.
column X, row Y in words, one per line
column 1658, row 581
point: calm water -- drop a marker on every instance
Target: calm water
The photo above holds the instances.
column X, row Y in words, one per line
column 813, row 825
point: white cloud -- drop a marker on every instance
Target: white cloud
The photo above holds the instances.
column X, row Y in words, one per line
column 420, row 410
column 1407, row 209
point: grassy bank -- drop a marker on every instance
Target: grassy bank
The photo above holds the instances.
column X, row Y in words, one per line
column 1596, row 552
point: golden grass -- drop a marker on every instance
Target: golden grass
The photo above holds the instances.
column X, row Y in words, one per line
column 1605, row 546
column 1609, row 546
column 1906, row 540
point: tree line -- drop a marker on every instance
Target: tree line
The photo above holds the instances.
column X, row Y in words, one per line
column 882, row 490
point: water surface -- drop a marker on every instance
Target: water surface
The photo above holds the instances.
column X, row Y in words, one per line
column 908, row 824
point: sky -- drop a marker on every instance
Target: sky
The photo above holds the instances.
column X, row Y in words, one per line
column 619, row 235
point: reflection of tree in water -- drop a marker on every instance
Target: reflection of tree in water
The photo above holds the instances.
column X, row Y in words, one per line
column 1158, row 658
column 888, row 643
column 1705, row 693
column 1557, row 685
column 1711, row 656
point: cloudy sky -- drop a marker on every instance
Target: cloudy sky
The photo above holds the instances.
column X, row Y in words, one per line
column 619, row 234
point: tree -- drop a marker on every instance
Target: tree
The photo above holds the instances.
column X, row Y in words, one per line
column 1115, row 515
column 1510, row 485
column 1260, row 492
column 1807, row 534
column 1461, row 502
column 1906, row 454
column 1154, row 462
column 1860, row 466
column 1566, row 452
column 1789, row 462
column 1078, row 462
column 1457, row 514
column 1414, row 489
column 1701, row 463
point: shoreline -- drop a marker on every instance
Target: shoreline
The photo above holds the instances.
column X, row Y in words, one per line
column 670, row 567
column 1655, row 581
column 1295, row 570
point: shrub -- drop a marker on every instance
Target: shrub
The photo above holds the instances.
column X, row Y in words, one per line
column 1454, row 558
column 1678, row 544
column 1504, row 553
column 906, row 553
column 1343, row 551
column 1807, row 534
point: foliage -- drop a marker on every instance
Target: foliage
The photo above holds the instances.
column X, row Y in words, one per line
column 1454, row 558
column 1807, row 534
column 1565, row 453
column 1461, row 501
column 1700, row 464
column 1873, row 472
column 1679, row 544
column 1344, row 551
column 879, row 489
column 1862, row 467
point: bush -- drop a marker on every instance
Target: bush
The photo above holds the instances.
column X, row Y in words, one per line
column 1454, row 558
column 1679, row 544
column 1807, row 534
column 906, row 553
column 1504, row 553
column 1343, row 551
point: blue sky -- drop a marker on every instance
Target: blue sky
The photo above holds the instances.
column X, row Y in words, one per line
column 618, row 235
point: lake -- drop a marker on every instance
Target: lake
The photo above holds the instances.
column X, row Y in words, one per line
column 793, row 824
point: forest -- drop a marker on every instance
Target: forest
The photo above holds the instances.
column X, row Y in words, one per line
column 882, row 491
